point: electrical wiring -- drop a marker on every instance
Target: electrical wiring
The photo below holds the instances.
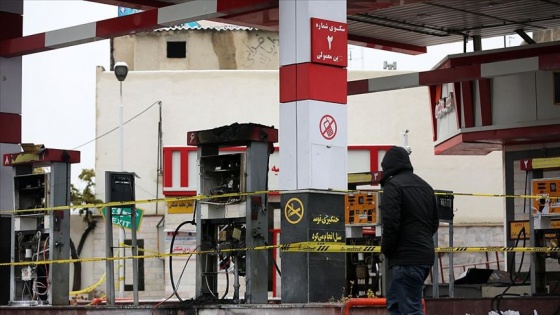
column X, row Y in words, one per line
column 498, row 298
column 273, row 260
column 178, row 281
column 185, row 267
column 46, row 267
column 116, row 128
column 173, row 285
column 227, row 285
column 208, row 286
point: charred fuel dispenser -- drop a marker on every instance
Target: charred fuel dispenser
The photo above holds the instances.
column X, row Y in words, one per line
column 233, row 164
column 41, row 180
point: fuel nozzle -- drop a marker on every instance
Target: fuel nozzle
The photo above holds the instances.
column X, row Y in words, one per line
column 542, row 202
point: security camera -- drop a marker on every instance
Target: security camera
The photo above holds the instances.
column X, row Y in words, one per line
column 121, row 70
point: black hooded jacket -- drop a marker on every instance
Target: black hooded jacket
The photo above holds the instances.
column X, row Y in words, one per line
column 409, row 212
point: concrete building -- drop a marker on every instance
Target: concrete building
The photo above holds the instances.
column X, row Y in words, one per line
column 202, row 48
column 195, row 92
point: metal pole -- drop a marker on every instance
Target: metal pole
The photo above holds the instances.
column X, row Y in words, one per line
column 109, row 265
column 159, row 153
column 121, row 231
column 134, row 253
column 133, row 223
column 121, row 134
column 451, row 268
column 435, row 270
column 236, row 284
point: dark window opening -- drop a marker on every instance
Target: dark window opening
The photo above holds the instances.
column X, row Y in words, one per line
column 556, row 82
column 176, row 49
column 128, row 282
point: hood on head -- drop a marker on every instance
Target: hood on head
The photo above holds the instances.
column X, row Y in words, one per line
column 395, row 161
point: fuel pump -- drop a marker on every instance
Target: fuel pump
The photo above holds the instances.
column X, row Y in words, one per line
column 41, row 180
column 364, row 270
column 544, row 233
column 233, row 163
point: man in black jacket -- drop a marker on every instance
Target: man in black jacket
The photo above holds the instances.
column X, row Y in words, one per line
column 409, row 220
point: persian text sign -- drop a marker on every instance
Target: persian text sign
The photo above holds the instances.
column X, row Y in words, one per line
column 329, row 42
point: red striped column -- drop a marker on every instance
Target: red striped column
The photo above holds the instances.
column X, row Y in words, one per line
column 313, row 93
column 11, row 26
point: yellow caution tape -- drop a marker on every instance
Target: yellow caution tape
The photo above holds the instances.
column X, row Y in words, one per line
column 229, row 195
column 90, row 288
column 144, row 201
column 310, row 247
column 488, row 195
column 141, row 249
column 301, row 247
column 498, row 249
column 97, row 259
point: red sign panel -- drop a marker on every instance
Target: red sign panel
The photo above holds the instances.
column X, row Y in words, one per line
column 329, row 42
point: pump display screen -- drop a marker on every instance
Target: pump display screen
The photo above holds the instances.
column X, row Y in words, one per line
column 548, row 189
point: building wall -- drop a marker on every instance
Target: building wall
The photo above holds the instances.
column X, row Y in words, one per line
column 153, row 267
column 546, row 35
column 216, row 48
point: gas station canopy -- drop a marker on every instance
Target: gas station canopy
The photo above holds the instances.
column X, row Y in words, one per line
column 406, row 26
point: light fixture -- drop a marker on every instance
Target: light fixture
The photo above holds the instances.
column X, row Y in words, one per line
column 121, row 70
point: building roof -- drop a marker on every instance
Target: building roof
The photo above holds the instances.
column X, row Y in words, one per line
column 407, row 26
column 184, row 27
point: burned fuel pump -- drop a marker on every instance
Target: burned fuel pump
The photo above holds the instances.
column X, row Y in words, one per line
column 233, row 163
column 41, row 180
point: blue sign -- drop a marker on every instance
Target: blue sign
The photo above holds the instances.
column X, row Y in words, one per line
column 128, row 11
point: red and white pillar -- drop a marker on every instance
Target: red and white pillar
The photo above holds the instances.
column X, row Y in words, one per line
column 313, row 93
column 11, row 26
column 313, row 142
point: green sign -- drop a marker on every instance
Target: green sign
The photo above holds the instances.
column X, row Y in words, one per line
column 121, row 216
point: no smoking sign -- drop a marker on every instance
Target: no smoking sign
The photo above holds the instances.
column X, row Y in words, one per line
column 328, row 127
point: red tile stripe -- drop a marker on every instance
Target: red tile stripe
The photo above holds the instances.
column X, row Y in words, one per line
column 549, row 62
column 184, row 173
column 458, row 100
column 10, row 128
column 167, row 167
column 468, row 103
column 183, row 167
column 485, row 101
column 435, row 96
